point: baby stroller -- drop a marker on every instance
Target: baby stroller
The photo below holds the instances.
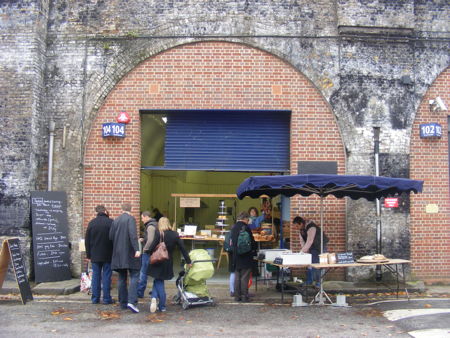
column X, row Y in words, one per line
column 191, row 284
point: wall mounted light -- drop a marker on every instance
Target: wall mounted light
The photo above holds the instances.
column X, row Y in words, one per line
column 437, row 105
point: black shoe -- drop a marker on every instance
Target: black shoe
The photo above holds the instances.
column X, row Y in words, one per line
column 246, row 300
column 231, row 294
column 238, row 299
column 107, row 302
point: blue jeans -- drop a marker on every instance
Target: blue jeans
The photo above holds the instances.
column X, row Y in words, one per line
column 232, row 279
column 159, row 292
column 101, row 279
column 127, row 295
column 143, row 275
column 313, row 275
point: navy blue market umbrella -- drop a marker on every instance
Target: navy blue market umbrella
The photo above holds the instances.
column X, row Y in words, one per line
column 353, row 186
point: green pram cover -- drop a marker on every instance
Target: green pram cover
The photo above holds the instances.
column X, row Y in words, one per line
column 196, row 276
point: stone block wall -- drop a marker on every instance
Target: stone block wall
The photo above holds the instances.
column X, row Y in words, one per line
column 23, row 134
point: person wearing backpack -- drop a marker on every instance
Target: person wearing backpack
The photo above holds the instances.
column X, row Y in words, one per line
column 243, row 250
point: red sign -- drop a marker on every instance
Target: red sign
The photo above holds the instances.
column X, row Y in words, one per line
column 123, row 117
column 391, row 202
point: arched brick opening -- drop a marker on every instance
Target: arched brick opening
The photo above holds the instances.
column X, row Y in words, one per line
column 430, row 218
column 212, row 75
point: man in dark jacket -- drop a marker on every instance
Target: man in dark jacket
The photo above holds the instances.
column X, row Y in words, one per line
column 125, row 257
column 99, row 251
column 150, row 225
column 242, row 263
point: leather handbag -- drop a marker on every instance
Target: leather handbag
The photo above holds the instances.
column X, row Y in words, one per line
column 160, row 254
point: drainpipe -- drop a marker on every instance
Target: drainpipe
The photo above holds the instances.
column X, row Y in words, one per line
column 376, row 136
column 51, row 129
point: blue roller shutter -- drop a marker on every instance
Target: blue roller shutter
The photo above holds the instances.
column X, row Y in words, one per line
column 225, row 140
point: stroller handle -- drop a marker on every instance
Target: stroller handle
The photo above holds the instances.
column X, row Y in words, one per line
column 200, row 261
column 204, row 261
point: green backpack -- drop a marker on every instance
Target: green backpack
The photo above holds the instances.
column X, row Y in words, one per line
column 244, row 243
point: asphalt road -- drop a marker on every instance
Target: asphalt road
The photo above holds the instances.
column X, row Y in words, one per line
column 419, row 317
column 69, row 317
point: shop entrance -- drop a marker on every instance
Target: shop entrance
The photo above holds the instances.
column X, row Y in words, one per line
column 207, row 154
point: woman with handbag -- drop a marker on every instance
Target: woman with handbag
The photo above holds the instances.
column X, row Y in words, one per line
column 161, row 268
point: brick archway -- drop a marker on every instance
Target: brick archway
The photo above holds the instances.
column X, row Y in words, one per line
column 430, row 211
column 210, row 75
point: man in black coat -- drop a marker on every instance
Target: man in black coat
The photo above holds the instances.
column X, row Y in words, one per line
column 242, row 263
column 99, row 251
column 125, row 257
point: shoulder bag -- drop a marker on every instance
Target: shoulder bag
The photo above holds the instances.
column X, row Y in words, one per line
column 160, row 254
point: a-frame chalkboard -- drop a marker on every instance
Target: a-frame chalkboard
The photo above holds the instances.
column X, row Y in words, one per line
column 11, row 252
column 50, row 239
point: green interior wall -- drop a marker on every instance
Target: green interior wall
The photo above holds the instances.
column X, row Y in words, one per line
column 158, row 185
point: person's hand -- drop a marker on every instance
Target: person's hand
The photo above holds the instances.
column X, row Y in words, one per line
column 190, row 265
column 137, row 254
column 141, row 239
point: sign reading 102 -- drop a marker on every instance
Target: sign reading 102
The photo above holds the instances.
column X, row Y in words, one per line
column 113, row 129
column 430, row 130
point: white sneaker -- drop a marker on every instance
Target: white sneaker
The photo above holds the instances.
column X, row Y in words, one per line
column 153, row 305
column 133, row 307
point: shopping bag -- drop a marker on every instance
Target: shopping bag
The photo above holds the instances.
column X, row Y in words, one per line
column 86, row 280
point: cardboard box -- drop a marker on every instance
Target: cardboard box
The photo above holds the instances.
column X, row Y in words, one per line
column 271, row 254
column 297, row 258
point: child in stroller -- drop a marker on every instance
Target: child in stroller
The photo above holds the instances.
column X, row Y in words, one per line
column 191, row 284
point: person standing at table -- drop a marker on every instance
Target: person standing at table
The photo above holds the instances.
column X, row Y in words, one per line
column 310, row 242
column 164, row 270
column 242, row 262
column 150, row 225
column 125, row 257
column 99, row 251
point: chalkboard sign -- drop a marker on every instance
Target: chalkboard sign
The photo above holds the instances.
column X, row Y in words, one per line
column 11, row 253
column 50, row 241
column 344, row 258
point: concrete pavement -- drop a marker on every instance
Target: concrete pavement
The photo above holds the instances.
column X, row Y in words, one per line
column 266, row 292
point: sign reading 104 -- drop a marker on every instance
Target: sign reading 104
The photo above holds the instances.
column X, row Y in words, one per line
column 433, row 130
column 113, row 129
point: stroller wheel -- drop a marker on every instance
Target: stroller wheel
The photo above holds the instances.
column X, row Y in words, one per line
column 213, row 303
column 176, row 299
column 185, row 305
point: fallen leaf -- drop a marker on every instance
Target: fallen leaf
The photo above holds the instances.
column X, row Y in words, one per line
column 60, row 311
column 155, row 320
column 189, row 321
column 67, row 318
column 109, row 315
column 428, row 306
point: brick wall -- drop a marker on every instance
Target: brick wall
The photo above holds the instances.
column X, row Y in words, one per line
column 430, row 231
column 212, row 75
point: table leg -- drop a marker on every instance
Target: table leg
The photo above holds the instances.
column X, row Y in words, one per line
column 396, row 274
column 404, row 281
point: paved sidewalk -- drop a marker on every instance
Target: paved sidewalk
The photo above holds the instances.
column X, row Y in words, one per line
column 358, row 292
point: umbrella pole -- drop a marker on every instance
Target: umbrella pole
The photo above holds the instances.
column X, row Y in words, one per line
column 321, row 301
